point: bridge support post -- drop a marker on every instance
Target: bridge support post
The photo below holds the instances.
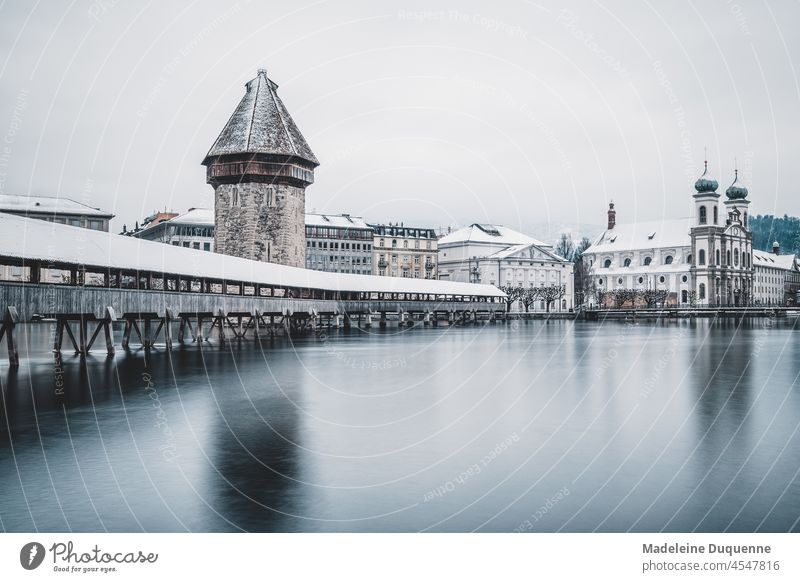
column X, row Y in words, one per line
column 382, row 322
column 168, row 317
column 220, row 321
column 451, row 318
column 347, row 323
column 368, row 321
column 10, row 320
column 148, row 339
column 126, row 334
column 426, row 318
column 108, row 330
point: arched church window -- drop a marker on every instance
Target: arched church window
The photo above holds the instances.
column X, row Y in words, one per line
column 728, row 258
column 702, row 256
column 716, row 215
column 703, row 216
column 689, row 258
column 735, row 257
column 702, row 291
column 394, row 243
column 717, row 262
column 607, row 263
column 647, row 261
column 668, row 260
column 627, row 262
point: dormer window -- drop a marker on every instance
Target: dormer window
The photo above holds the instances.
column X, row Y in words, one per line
column 627, row 262
column 607, row 263
column 647, row 261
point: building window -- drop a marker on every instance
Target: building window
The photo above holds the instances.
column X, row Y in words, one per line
column 641, row 280
column 607, row 263
column 702, row 290
column 647, row 261
column 600, row 282
column 684, row 278
column 668, row 260
column 735, row 257
column 716, row 215
column 717, row 263
column 662, row 279
column 627, row 262
column 394, row 244
column 703, row 217
column 206, row 246
column 702, row 256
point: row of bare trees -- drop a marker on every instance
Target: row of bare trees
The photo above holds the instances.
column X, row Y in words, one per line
column 528, row 295
column 643, row 297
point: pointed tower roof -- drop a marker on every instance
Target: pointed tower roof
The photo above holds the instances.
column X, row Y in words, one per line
column 261, row 125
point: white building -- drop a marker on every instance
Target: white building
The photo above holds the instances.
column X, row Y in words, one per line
column 704, row 260
column 500, row 256
column 193, row 229
column 56, row 209
column 338, row 243
column 777, row 278
column 404, row 251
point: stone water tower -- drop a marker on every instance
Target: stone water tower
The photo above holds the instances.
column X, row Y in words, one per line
column 259, row 167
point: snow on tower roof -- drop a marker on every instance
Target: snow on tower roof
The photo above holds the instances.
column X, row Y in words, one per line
column 30, row 239
column 489, row 233
column 261, row 125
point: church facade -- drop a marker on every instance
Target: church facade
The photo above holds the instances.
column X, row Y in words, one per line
column 705, row 260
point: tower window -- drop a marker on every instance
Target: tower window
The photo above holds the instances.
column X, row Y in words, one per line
column 647, row 261
column 702, row 290
column 716, row 215
column 627, row 262
column 703, row 217
column 607, row 263
column 668, row 260
column 702, row 256
column 717, row 262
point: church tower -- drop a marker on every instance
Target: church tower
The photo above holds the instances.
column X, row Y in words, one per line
column 259, row 167
column 706, row 236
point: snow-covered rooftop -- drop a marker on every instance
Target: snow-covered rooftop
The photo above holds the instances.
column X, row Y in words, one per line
column 765, row 259
column 514, row 249
column 261, row 124
column 24, row 238
column 336, row 220
column 655, row 234
column 48, row 205
column 202, row 216
column 489, row 233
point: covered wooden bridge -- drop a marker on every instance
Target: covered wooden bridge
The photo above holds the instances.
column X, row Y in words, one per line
column 86, row 280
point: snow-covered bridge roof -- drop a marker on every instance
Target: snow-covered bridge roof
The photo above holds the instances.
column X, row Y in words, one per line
column 58, row 244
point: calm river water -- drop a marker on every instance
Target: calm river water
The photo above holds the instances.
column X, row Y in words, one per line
column 538, row 426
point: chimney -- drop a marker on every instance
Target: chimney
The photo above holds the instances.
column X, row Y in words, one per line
column 612, row 216
column 776, row 248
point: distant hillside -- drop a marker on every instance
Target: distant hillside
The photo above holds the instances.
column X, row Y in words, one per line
column 767, row 229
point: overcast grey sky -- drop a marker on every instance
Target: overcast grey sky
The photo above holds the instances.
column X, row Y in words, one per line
column 436, row 112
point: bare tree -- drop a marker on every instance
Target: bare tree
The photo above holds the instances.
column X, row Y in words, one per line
column 551, row 293
column 565, row 247
column 529, row 296
column 513, row 293
column 622, row 296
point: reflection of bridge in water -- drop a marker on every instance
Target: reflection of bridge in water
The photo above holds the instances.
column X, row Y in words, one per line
column 86, row 280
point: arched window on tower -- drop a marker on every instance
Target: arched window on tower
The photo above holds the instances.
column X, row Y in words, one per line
column 627, row 262
column 607, row 263
column 668, row 260
column 702, row 216
column 716, row 215
column 727, row 258
column 647, row 261
column 717, row 261
column 702, row 256
column 702, row 291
